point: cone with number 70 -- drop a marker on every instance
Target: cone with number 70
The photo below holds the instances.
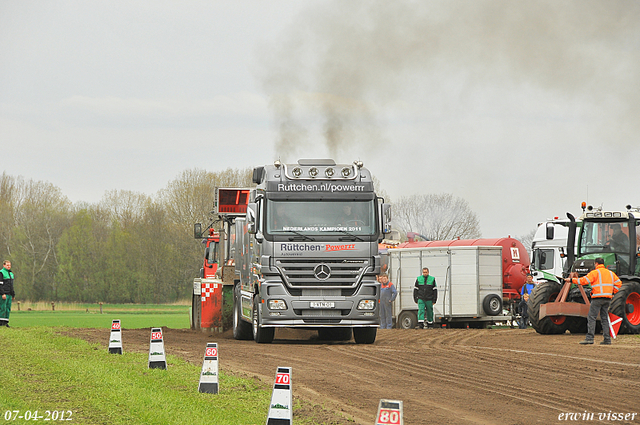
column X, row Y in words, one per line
column 281, row 409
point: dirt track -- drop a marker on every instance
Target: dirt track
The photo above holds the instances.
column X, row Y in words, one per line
column 443, row 376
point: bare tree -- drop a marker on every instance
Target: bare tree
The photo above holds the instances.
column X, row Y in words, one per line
column 377, row 187
column 41, row 214
column 436, row 216
column 124, row 206
column 190, row 198
column 527, row 239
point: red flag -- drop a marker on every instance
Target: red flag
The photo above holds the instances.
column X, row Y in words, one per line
column 614, row 324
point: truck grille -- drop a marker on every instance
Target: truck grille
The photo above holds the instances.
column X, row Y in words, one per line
column 302, row 273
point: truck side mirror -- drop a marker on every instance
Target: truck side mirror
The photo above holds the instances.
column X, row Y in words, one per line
column 386, row 218
column 251, row 218
column 197, row 231
column 550, row 231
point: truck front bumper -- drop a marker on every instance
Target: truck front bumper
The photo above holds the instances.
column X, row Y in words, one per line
column 358, row 310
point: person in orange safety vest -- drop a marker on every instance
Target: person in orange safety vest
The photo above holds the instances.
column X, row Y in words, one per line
column 604, row 284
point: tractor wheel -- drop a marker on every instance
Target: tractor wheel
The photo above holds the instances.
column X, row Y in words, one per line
column 577, row 325
column 626, row 304
column 543, row 293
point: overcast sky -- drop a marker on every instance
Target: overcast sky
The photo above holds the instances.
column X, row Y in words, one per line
column 524, row 109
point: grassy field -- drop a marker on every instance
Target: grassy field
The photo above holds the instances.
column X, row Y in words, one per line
column 42, row 370
column 132, row 316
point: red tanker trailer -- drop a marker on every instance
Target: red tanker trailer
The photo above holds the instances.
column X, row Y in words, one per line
column 515, row 259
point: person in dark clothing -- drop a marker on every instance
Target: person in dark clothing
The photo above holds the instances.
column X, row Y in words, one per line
column 425, row 294
column 523, row 323
column 619, row 241
column 7, row 291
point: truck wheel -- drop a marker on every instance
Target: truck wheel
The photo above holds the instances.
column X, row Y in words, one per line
column 492, row 305
column 626, row 304
column 407, row 320
column 334, row 334
column 364, row 335
column 543, row 293
column 260, row 335
column 241, row 329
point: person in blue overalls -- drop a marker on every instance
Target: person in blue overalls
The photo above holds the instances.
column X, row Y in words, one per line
column 388, row 295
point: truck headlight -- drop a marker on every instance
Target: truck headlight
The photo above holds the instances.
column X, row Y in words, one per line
column 366, row 305
column 277, row 305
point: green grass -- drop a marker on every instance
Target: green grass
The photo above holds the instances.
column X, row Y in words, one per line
column 43, row 370
column 131, row 316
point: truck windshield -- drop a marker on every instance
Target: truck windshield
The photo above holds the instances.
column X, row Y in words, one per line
column 321, row 217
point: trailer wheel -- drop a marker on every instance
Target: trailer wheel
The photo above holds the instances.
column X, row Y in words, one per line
column 407, row 320
column 626, row 304
column 241, row 329
column 260, row 334
column 364, row 335
column 492, row 305
column 543, row 293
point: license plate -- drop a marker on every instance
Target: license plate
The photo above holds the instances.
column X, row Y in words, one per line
column 321, row 304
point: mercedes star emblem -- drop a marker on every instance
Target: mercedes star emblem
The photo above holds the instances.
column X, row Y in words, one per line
column 322, row 271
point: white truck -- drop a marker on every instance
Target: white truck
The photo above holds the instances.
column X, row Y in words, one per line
column 548, row 248
column 468, row 278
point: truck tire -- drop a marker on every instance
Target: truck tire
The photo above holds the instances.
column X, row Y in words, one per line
column 260, row 335
column 626, row 304
column 364, row 335
column 241, row 329
column 408, row 320
column 334, row 334
column 492, row 305
column 543, row 293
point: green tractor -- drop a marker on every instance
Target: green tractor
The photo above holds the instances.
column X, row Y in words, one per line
column 555, row 306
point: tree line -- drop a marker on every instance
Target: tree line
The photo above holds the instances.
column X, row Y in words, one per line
column 134, row 248
column 127, row 248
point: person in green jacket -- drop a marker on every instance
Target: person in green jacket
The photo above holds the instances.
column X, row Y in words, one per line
column 7, row 291
column 425, row 294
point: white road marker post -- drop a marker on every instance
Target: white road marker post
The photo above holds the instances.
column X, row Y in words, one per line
column 209, row 374
column 389, row 412
column 281, row 407
column 115, row 338
column 157, row 359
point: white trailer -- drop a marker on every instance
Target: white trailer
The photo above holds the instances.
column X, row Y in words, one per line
column 468, row 278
